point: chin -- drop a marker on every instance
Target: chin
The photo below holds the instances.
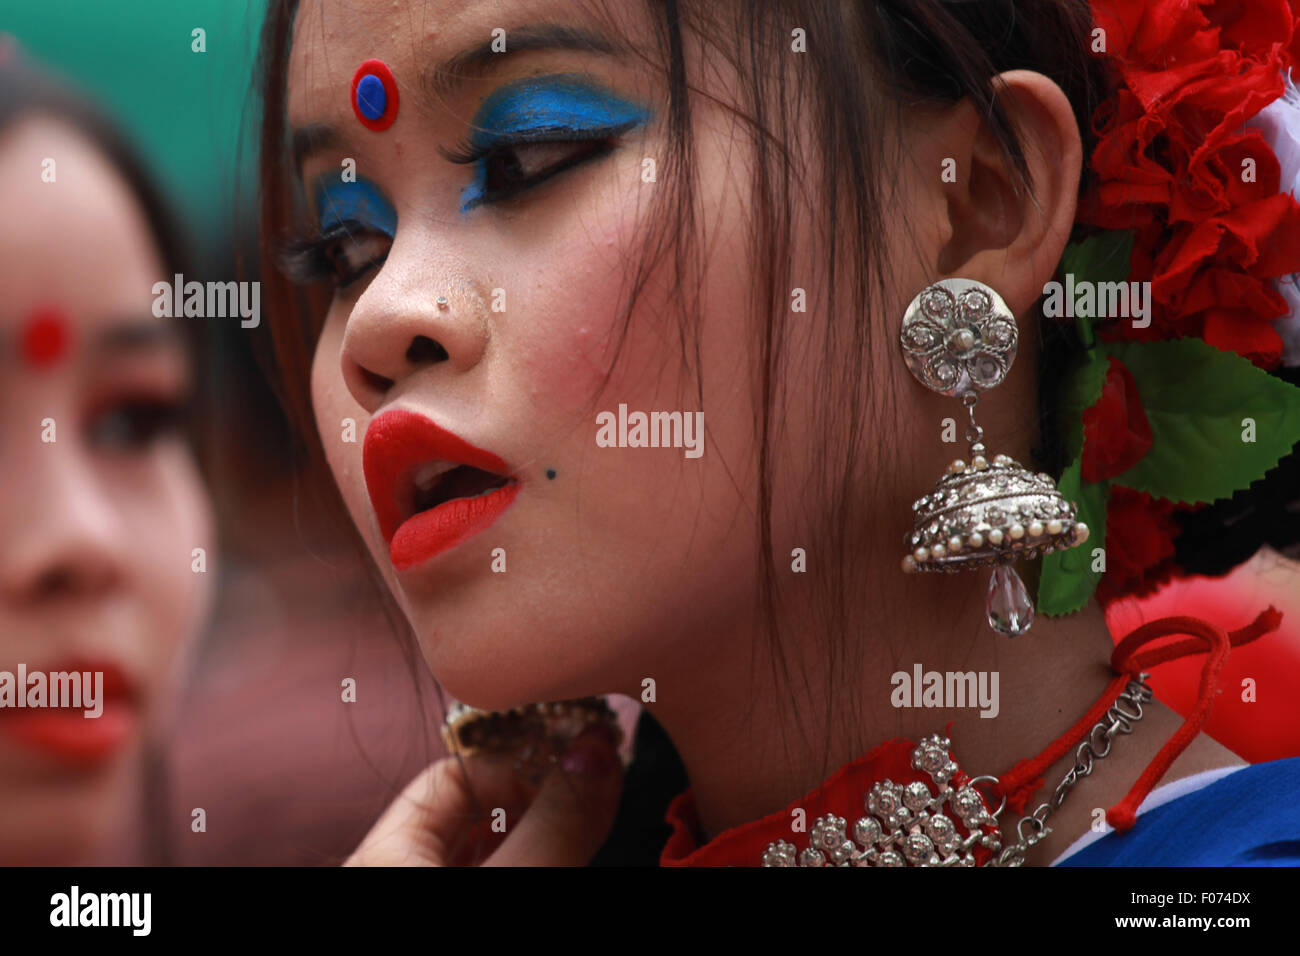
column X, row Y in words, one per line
column 500, row 665
column 69, row 823
column 484, row 680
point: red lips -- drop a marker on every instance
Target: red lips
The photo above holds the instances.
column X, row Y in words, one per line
column 67, row 734
column 471, row 494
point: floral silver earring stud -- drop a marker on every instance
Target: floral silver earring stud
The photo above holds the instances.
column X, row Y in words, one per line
column 959, row 339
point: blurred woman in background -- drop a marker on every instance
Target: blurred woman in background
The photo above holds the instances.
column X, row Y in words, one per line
column 103, row 506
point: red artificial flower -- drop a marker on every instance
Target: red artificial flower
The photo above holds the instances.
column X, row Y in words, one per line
column 1219, row 269
column 1165, row 35
column 1170, row 164
column 1116, row 433
column 1215, row 182
column 1144, row 31
column 1170, row 160
column 1170, row 143
column 1140, row 533
column 1243, row 332
column 1255, row 25
column 1131, row 184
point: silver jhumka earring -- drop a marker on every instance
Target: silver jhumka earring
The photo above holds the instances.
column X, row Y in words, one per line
column 959, row 339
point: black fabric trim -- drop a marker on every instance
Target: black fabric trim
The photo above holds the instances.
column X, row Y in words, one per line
column 654, row 778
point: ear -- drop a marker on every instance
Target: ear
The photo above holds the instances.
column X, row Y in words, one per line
column 996, row 231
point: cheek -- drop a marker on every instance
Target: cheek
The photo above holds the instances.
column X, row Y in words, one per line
column 170, row 517
column 327, row 389
column 334, row 407
column 564, row 370
column 573, row 316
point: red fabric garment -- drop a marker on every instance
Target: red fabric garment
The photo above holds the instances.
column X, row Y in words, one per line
column 843, row 794
column 1258, row 710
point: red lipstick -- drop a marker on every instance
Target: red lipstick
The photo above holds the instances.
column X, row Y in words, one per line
column 431, row 490
column 66, row 733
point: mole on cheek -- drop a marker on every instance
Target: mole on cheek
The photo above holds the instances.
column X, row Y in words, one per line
column 46, row 337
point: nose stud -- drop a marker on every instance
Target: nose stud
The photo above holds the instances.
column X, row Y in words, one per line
column 442, row 303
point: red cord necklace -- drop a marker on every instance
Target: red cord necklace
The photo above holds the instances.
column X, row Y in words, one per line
column 908, row 823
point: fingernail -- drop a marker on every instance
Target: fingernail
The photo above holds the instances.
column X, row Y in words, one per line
column 589, row 755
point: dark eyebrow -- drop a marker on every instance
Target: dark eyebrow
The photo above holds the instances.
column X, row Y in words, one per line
column 307, row 139
column 439, row 81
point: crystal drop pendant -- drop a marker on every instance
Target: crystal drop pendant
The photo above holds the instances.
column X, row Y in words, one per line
column 1009, row 608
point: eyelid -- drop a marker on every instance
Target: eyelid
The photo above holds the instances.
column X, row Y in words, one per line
column 154, row 373
column 557, row 108
column 467, row 152
column 478, row 194
column 305, row 259
column 166, row 411
column 360, row 202
column 553, row 106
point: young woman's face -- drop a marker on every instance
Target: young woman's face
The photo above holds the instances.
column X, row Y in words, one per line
column 566, row 567
column 102, row 505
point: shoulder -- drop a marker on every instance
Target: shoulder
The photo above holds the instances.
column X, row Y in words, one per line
column 1247, row 818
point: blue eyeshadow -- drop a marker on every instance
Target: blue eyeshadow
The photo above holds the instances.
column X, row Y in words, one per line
column 538, row 106
column 358, row 202
column 547, row 109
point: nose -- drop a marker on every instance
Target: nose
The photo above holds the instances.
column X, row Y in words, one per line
column 63, row 537
column 395, row 332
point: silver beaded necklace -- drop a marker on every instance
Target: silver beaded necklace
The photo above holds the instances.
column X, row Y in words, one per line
column 912, row 825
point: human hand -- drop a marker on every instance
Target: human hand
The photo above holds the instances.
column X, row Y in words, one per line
column 480, row 810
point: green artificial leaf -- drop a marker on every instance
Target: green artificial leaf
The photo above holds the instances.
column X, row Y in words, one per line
column 1067, row 579
column 1083, row 385
column 1103, row 257
column 1198, row 399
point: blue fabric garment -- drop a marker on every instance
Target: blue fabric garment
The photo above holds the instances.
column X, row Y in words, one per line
column 1248, row 818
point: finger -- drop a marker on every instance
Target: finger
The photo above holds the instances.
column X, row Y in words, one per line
column 573, row 811
column 431, row 821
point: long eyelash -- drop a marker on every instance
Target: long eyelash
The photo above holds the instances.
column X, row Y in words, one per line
column 147, row 416
column 303, row 259
column 465, row 153
column 161, row 414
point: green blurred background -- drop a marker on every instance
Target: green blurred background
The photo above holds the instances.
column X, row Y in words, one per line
column 191, row 114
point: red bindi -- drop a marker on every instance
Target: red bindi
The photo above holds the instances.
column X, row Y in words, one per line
column 46, row 336
column 374, row 95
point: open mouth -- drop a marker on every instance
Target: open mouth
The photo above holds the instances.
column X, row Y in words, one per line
column 430, row 489
column 438, row 482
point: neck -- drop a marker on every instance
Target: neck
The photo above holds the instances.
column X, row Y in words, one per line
column 753, row 741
